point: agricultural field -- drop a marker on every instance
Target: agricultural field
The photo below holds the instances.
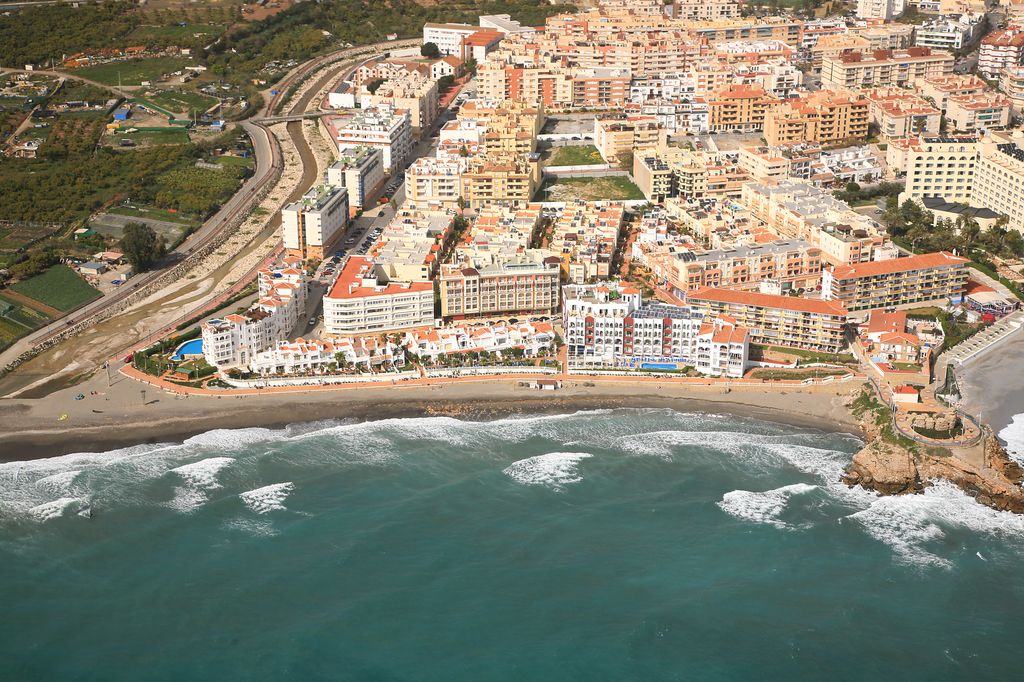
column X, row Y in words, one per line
column 132, row 72
column 59, row 287
column 612, row 187
column 73, row 135
column 147, row 137
column 18, row 317
column 181, row 101
column 574, row 155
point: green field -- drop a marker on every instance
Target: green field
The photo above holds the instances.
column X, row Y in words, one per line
column 614, row 187
column 144, row 34
column 10, row 331
column 575, row 155
column 234, row 161
column 153, row 214
column 151, row 137
column 132, row 72
column 182, row 101
column 59, row 287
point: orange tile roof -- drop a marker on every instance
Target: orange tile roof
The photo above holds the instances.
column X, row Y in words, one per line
column 349, row 282
column 923, row 261
column 751, row 298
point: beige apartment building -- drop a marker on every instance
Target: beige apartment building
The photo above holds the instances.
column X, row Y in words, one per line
column 619, row 135
column 940, row 88
column 884, row 67
column 824, row 117
column 777, row 320
column 740, row 108
column 502, row 177
column 899, row 113
column 896, row 282
column 999, row 176
column 521, row 285
column 411, row 92
column 981, row 111
column 791, row 264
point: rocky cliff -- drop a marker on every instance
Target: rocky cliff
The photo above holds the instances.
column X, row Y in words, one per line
column 985, row 472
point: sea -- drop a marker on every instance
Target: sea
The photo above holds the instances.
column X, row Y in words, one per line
column 625, row 544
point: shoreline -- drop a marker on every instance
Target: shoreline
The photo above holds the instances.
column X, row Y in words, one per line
column 27, row 430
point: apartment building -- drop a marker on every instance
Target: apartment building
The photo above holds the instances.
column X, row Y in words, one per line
column 884, row 36
column 360, row 170
column 983, row 111
column 675, row 116
column 824, row 117
column 617, row 136
column 946, row 33
column 999, row 176
column 885, row 10
column 940, row 88
column 521, row 285
column 1012, row 85
column 896, row 282
column 500, row 177
column 795, row 209
column 412, row 244
column 739, row 108
column 500, row 232
column 673, row 171
column 609, row 325
column 884, row 67
column 586, row 237
column 503, row 115
column 1000, row 50
column 777, row 320
column 435, row 182
column 363, row 300
column 237, row 338
column 385, row 128
column 792, row 264
column 833, row 45
column 699, row 10
column 899, row 113
column 312, row 226
column 413, row 93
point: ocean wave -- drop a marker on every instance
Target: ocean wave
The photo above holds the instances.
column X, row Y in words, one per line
column 268, row 498
column 55, row 509
column 232, row 439
column 762, row 507
column 554, row 470
column 909, row 524
column 58, row 483
column 199, row 478
column 250, row 526
column 1013, row 435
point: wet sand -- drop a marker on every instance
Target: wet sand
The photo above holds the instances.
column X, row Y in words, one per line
column 993, row 384
column 117, row 417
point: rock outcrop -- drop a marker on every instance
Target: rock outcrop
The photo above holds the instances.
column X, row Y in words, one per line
column 891, row 469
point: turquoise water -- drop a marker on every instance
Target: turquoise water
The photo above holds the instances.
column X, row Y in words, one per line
column 617, row 545
column 193, row 347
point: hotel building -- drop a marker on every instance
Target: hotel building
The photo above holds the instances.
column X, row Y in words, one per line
column 523, row 285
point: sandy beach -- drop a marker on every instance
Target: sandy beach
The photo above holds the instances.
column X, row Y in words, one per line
column 993, row 384
column 130, row 413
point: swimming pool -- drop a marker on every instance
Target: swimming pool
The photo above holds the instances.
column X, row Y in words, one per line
column 659, row 365
column 193, row 347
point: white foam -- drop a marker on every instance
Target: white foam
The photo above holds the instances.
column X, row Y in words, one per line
column 268, row 498
column 910, row 523
column 762, row 507
column 232, row 439
column 199, row 478
column 1013, row 435
column 55, row 509
column 254, row 527
column 554, row 470
column 58, row 483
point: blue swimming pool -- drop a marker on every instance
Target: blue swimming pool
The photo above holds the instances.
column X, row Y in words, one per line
column 659, row 365
column 193, row 347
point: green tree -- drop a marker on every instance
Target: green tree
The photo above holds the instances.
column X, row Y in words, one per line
column 142, row 246
column 430, row 50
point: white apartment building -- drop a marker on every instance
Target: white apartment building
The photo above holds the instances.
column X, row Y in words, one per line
column 448, row 37
column 385, row 128
column 363, row 301
column 311, row 226
column 1000, row 50
column 879, row 9
column 947, row 33
column 237, row 338
column 722, row 348
column 593, row 319
column 360, row 170
column 435, row 182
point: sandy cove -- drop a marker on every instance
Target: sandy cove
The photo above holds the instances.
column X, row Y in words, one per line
column 116, row 417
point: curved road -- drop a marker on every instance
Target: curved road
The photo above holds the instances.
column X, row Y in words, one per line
column 268, row 159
